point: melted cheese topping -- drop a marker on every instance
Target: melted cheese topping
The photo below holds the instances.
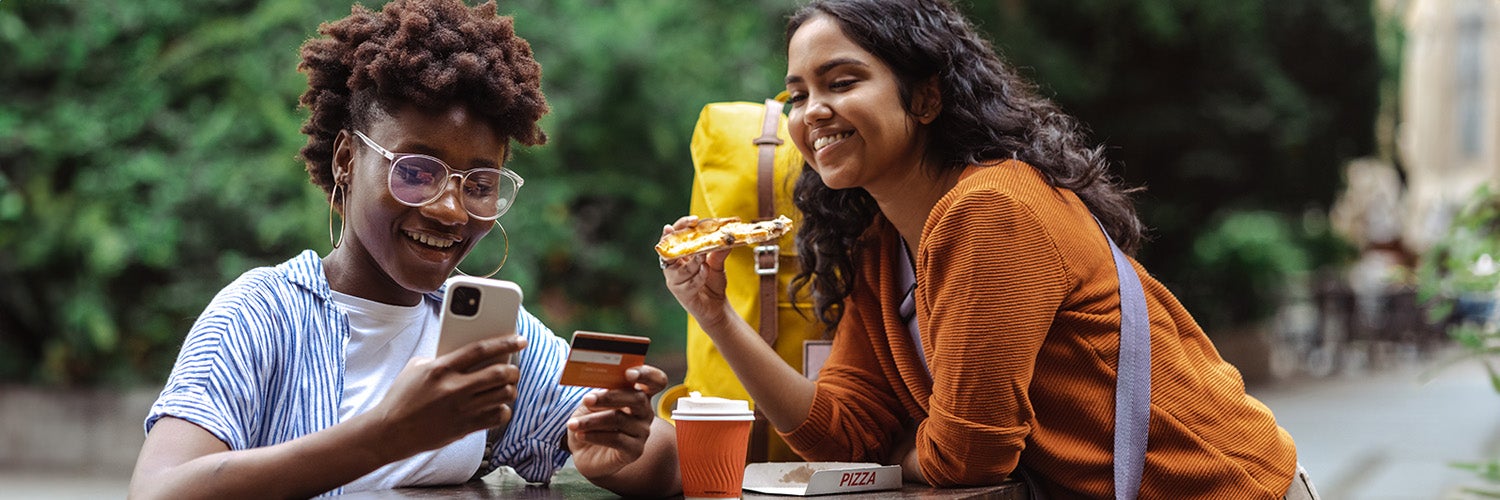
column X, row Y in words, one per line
column 715, row 234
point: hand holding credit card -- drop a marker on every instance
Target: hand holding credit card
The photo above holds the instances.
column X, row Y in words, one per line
column 600, row 359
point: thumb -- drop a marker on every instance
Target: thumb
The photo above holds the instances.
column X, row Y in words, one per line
column 716, row 258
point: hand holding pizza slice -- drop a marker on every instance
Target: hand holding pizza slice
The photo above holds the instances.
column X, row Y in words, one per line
column 708, row 235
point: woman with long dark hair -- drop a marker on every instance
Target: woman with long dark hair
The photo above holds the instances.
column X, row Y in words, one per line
column 956, row 240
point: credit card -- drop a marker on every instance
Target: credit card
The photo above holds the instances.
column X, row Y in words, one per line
column 600, row 359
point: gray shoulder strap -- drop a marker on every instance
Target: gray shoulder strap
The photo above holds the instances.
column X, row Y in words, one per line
column 1133, row 379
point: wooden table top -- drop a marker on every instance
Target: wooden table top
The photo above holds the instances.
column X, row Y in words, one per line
column 569, row 484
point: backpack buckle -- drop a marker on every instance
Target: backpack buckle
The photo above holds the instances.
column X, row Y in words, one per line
column 767, row 259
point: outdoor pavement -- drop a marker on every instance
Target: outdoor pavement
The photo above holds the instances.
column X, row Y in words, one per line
column 1391, row 433
column 1362, row 434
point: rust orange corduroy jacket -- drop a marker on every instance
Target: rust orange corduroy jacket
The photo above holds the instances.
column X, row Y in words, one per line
column 1018, row 309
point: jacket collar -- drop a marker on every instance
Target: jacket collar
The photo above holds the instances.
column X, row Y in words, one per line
column 306, row 271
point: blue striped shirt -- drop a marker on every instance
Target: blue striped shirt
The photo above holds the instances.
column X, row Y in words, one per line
column 264, row 364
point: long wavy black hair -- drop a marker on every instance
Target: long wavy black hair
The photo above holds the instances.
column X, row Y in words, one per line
column 989, row 113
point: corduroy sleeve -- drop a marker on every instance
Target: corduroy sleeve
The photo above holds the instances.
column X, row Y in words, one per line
column 991, row 281
column 854, row 415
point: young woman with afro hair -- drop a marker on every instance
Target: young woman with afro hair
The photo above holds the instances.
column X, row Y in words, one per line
column 319, row 375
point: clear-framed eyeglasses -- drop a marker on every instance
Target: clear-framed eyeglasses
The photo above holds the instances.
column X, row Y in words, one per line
column 416, row 180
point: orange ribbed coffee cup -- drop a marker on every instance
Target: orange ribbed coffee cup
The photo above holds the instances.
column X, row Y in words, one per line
column 712, row 436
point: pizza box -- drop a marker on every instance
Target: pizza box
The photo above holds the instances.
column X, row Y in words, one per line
column 820, row 478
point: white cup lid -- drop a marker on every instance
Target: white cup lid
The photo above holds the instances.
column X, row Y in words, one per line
column 699, row 406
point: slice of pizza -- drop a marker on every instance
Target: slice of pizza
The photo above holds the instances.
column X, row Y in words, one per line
column 714, row 234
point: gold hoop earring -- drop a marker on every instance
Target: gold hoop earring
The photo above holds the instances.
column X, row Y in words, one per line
column 503, row 258
column 333, row 195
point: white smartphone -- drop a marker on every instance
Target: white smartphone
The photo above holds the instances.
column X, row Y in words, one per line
column 475, row 309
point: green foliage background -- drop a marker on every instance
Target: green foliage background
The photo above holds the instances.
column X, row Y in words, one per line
column 147, row 147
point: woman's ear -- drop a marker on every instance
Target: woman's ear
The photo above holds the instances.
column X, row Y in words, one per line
column 927, row 100
column 343, row 158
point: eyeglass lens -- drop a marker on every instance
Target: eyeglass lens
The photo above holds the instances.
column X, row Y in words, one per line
column 417, row 180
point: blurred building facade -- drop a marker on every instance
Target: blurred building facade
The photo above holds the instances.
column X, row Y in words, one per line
column 1448, row 137
column 1440, row 131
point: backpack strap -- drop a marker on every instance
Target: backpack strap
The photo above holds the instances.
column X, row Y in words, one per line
column 768, row 255
column 1132, row 378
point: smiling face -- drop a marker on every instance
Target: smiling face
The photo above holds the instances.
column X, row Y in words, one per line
column 392, row 252
column 848, row 117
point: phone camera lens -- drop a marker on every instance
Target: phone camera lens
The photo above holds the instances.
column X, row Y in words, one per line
column 465, row 301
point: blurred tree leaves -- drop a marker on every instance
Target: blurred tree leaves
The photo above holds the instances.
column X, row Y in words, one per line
column 626, row 81
column 148, row 148
column 1215, row 107
column 148, row 156
column 151, row 147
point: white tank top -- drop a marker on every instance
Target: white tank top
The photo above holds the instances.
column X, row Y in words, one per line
column 382, row 338
column 906, row 277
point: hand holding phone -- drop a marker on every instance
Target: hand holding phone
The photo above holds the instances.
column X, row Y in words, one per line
column 475, row 309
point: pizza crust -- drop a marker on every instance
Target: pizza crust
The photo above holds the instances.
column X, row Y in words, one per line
column 715, row 234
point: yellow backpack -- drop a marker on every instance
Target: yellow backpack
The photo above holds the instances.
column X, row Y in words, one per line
column 734, row 146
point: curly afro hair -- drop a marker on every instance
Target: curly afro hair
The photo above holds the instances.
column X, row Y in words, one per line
column 428, row 53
